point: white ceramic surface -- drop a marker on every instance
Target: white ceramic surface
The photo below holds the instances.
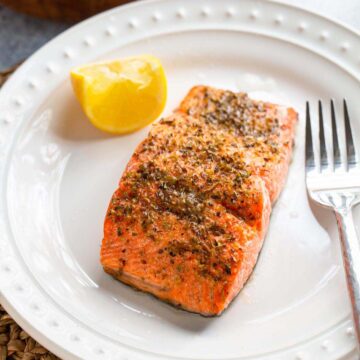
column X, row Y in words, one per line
column 58, row 173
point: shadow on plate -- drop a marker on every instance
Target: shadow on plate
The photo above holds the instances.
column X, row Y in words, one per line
column 325, row 219
column 73, row 124
column 149, row 306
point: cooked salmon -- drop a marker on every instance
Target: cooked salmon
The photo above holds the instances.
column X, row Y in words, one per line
column 266, row 130
column 188, row 219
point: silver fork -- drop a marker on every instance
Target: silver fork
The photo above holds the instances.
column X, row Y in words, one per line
column 336, row 185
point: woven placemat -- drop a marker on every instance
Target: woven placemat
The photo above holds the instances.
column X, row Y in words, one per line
column 15, row 343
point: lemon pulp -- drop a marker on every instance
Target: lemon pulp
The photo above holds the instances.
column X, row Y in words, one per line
column 121, row 96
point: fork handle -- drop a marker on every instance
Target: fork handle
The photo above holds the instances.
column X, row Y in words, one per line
column 350, row 247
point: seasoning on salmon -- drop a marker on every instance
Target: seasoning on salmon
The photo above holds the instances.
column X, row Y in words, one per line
column 188, row 219
column 264, row 129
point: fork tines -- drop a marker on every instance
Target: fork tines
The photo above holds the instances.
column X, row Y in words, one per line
column 335, row 161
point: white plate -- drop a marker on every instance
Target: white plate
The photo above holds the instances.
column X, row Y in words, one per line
column 58, row 173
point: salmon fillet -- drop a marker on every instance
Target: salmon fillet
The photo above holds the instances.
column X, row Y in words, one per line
column 188, row 219
column 210, row 160
column 264, row 129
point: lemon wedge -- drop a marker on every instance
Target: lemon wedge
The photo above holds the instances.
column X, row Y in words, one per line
column 121, row 96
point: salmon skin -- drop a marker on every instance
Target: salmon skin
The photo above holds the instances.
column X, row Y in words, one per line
column 189, row 217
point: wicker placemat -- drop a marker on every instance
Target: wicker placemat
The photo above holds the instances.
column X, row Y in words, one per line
column 15, row 343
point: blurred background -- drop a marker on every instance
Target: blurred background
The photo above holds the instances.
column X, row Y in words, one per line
column 21, row 34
